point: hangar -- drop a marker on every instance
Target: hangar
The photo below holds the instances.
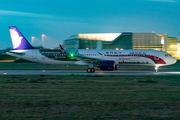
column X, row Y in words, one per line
column 124, row 40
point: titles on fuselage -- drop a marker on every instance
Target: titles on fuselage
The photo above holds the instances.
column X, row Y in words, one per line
column 116, row 53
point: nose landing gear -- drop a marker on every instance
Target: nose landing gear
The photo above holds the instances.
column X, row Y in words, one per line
column 156, row 69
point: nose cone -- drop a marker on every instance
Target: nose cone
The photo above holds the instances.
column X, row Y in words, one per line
column 172, row 61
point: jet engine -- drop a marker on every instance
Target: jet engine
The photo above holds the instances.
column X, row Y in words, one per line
column 107, row 65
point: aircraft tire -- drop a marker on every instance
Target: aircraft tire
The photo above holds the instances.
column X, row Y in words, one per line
column 116, row 67
column 89, row 70
column 93, row 70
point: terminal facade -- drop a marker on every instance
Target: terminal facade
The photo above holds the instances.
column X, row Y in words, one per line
column 125, row 40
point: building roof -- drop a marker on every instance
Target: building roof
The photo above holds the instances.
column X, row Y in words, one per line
column 96, row 36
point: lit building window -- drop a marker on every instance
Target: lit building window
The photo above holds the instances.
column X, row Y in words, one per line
column 162, row 40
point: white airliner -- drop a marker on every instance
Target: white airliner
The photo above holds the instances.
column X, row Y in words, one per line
column 104, row 59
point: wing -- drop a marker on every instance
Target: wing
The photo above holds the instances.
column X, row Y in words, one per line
column 89, row 59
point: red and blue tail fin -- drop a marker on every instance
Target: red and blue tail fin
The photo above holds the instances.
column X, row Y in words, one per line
column 18, row 40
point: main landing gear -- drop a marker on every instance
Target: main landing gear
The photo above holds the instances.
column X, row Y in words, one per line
column 156, row 69
column 90, row 70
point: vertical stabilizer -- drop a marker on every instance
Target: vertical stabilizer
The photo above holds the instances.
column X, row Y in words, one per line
column 18, row 40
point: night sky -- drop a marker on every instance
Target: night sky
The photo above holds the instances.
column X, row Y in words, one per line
column 59, row 19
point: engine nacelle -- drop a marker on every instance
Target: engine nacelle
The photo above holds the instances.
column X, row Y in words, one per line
column 107, row 65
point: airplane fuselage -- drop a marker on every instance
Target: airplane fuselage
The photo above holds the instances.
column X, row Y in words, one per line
column 133, row 57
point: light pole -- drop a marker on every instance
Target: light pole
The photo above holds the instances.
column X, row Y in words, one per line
column 32, row 40
column 43, row 40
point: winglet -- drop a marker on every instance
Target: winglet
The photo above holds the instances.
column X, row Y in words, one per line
column 18, row 40
column 62, row 48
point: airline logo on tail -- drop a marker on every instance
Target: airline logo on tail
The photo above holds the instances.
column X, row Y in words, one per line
column 18, row 40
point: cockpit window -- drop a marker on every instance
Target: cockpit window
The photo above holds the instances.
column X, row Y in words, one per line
column 166, row 55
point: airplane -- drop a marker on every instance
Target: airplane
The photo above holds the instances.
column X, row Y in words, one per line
column 105, row 59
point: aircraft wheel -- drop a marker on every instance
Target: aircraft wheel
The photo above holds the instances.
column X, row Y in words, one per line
column 116, row 67
column 93, row 70
column 89, row 70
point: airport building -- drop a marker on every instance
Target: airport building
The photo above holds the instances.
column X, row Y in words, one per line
column 125, row 40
